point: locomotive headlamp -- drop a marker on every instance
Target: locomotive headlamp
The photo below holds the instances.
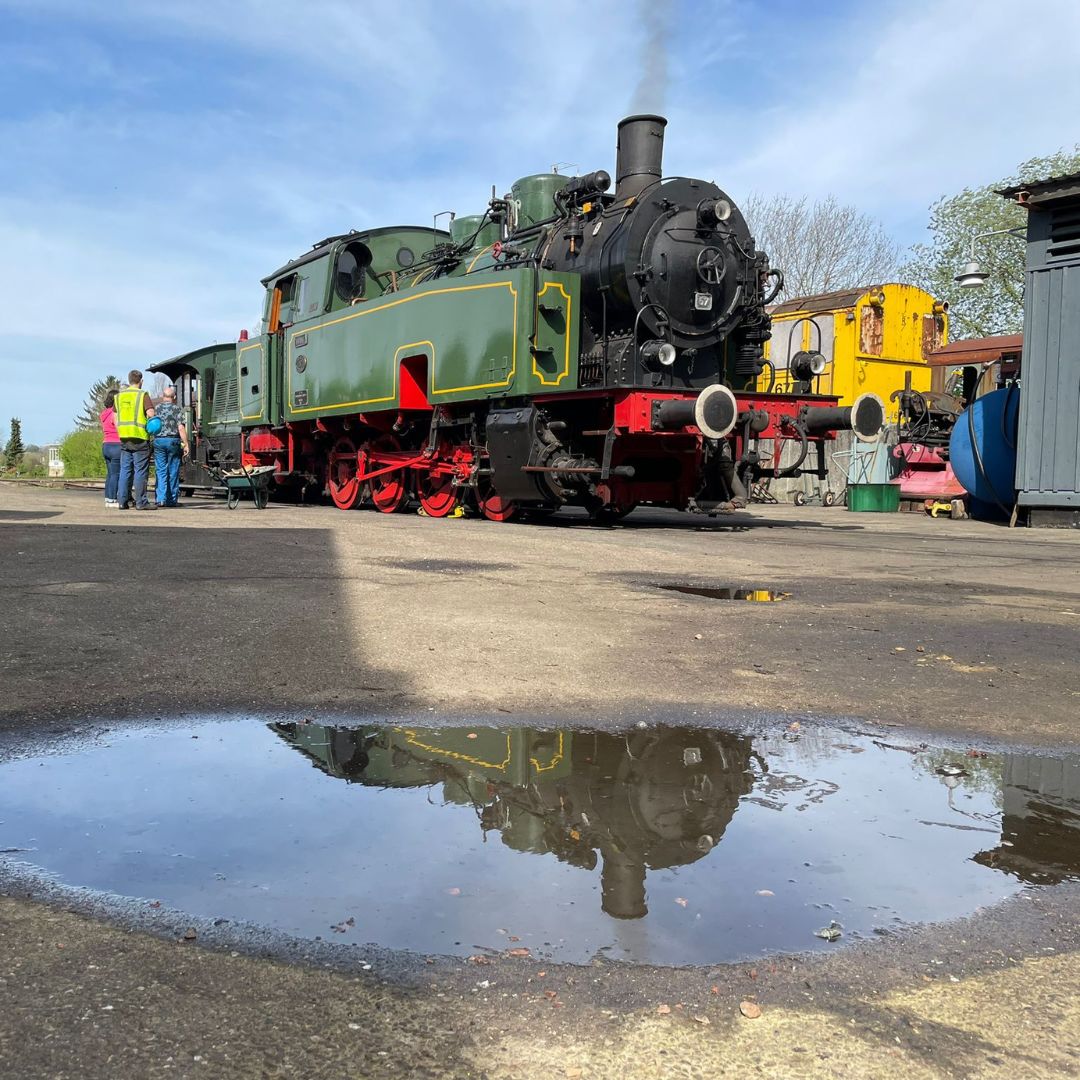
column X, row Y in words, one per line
column 714, row 211
column 807, row 365
column 658, row 354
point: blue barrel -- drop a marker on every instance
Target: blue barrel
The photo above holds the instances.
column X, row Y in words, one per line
column 982, row 452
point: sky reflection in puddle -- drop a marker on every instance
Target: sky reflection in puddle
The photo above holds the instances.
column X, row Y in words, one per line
column 670, row 845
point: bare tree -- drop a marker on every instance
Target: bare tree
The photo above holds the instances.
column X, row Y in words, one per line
column 820, row 246
column 158, row 382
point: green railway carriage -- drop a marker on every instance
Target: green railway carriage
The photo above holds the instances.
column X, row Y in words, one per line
column 566, row 346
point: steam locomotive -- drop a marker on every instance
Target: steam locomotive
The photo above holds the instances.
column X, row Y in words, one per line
column 649, row 800
column 570, row 345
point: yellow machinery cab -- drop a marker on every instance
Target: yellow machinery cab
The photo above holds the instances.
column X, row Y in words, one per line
column 870, row 338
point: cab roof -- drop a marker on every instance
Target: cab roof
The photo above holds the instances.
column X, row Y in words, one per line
column 320, row 249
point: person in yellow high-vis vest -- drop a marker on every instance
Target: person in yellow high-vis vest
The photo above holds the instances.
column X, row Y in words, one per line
column 133, row 408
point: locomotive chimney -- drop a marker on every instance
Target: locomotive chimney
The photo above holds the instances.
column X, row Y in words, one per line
column 639, row 154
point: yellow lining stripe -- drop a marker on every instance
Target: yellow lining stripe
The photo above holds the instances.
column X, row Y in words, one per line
column 566, row 360
column 476, row 257
column 262, row 380
column 394, row 303
column 411, row 738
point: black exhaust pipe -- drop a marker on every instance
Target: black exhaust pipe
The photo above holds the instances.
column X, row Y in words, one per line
column 639, row 155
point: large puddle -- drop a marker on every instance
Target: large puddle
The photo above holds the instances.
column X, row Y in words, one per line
column 666, row 845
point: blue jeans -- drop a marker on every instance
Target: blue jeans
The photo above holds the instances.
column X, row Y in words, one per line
column 134, row 469
column 167, row 457
column 110, row 451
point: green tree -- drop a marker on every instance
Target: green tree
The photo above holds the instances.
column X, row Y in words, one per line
column 81, row 454
column 998, row 307
column 89, row 418
column 14, row 450
column 34, row 464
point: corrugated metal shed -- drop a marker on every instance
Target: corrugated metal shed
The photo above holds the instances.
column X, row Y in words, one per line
column 1048, row 448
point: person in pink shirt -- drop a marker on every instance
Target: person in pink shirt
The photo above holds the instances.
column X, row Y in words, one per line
column 110, row 451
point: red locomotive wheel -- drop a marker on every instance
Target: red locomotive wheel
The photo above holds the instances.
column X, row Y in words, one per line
column 495, row 508
column 389, row 492
column 438, row 496
column 342, row 475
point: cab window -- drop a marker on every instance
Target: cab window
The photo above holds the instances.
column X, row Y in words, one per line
column 350, row 277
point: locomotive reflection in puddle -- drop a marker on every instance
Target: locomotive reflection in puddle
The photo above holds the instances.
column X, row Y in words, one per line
column 633, row 801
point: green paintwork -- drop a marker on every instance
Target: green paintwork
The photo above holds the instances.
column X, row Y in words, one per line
column 491, row 333
column 314, row 294
column 465, row 329
column 477, row 334
column 255, row 397
column 215, row 367
column 474, row 229
column 555, row 344
column 533, row 197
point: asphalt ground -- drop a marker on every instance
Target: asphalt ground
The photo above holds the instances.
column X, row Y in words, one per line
column 963, row 630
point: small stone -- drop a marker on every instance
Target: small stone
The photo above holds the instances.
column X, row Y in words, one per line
column 750, row 1009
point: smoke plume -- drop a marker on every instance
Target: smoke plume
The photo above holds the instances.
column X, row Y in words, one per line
column 656, row 21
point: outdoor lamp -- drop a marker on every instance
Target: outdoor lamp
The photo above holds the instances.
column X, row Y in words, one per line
column 973, row 276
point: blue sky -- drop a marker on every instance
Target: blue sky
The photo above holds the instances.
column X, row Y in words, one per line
column 160, row 156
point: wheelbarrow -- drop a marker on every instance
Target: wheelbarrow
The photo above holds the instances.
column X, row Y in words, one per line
column 256, row 480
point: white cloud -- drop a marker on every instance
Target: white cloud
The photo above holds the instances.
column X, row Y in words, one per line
column 917, row 101
column 140, row 227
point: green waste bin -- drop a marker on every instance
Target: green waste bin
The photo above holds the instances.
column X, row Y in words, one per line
column 873, row 498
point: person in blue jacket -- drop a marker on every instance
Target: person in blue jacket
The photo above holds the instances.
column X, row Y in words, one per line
column 170, row 448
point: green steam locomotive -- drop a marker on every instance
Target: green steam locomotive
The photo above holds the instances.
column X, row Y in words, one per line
column 569, row 345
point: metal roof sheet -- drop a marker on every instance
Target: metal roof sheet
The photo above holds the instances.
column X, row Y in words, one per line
column 987, row 350
column 830, row 301
column 1060, row 186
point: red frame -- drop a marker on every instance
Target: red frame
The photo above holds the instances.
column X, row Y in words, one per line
column 629, row 411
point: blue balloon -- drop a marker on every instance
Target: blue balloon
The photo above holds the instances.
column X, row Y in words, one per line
column 986, row 465
column 153, row 425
